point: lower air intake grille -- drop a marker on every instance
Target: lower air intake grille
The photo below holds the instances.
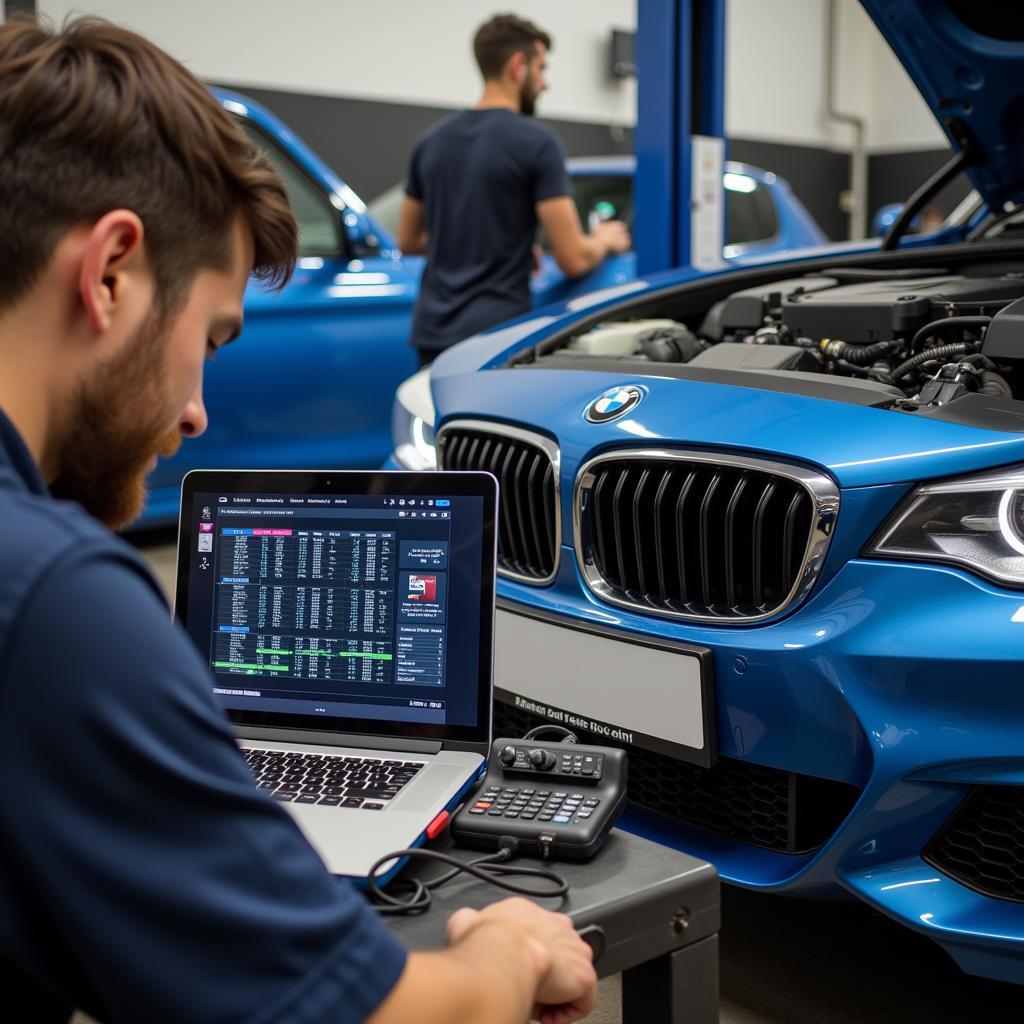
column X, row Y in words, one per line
column 526, row 466
column 982, row 844
column 701, row 536
column 751, row 803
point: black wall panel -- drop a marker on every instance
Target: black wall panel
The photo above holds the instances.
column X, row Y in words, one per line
column 368, row 143
column 817, row 176
column 893, row 177
column 12, row 7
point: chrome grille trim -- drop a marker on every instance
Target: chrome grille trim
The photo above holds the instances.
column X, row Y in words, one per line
column 514, row 511
column 822, row 491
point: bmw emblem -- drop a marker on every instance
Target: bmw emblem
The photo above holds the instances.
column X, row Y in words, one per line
column 615, row 402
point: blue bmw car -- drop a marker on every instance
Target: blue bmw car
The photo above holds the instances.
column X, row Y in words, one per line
column 765, row 528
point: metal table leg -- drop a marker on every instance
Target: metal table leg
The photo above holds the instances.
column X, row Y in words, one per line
column 678, row 988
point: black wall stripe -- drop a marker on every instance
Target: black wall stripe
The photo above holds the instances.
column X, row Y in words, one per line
column 12, row 7
column 368, row 142
column 893, row 176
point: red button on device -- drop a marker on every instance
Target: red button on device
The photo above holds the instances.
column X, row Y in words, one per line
column 436, row 827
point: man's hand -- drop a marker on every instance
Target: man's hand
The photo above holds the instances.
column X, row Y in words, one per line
column 576, row 253
column 567, row 985
column 613, row 235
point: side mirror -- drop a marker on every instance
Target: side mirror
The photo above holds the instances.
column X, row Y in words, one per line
column 358, row 230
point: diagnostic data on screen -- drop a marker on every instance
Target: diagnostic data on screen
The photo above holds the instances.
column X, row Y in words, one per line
column 328, row 605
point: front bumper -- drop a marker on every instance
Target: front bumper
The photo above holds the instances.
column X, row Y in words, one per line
column 903, row 681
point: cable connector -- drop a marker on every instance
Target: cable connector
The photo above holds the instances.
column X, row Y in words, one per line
column 508, row 845
column 545, row 841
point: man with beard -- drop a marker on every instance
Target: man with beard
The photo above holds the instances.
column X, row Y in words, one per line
column 479, row 183
column 145, row 877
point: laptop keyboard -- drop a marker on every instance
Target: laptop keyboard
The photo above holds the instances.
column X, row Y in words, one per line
column 330, row 779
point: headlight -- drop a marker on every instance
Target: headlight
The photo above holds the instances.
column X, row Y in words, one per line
column 419, row 451
column 976, row 522
column 412, row 419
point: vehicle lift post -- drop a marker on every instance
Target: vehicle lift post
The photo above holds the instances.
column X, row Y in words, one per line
column 680, row 58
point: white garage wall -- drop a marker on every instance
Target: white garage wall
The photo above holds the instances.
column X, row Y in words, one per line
column 418, row 52
column 777, row 51
column 406, row 51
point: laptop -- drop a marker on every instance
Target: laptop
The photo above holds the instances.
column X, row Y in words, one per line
column 348, row 621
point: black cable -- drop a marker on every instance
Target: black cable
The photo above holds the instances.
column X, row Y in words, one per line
column 940, row 326
column 568, row 736
column 484, row 868
column 953, row 349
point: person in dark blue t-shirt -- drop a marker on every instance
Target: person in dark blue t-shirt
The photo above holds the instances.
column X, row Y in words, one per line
column 479, row 183
column 144, row 875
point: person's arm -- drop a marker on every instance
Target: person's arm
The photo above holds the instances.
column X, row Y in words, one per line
column 506, row 962
column 412, row 227
column 154, row 880
column 577, row 253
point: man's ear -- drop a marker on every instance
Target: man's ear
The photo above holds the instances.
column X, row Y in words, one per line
column 113, row 252
column 518, row 66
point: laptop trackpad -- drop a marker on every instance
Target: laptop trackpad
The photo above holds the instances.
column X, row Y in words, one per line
column 435, row 782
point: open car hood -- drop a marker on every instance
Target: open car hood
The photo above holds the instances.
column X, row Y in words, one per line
column 967, row 59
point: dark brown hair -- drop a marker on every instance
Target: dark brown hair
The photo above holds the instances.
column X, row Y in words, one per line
column 505, row 34
column 95, row 118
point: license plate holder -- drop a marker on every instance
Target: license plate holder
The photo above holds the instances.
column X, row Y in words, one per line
column 649, row 692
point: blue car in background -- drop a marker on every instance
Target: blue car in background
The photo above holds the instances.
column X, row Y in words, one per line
column 765, row 528
column 762, row 216
column 313, row 383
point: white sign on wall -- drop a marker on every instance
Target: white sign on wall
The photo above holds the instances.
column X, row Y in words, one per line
column 707, row 202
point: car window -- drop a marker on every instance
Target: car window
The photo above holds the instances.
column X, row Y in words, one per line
column 599, row 197
column 750, row 212
column 387, row 207
column 319, row 222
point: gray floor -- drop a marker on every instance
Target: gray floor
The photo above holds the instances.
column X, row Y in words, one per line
column 787, row 961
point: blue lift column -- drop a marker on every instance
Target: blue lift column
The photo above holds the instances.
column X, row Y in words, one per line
column 680, row 57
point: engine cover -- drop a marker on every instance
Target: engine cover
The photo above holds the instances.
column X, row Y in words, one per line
column 872, row 311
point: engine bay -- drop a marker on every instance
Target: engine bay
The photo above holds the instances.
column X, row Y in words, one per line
column 917, row 338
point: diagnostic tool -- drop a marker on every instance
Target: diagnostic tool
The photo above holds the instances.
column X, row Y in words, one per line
column 554, row 799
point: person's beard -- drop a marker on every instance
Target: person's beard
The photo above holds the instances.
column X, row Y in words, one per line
column 528, row 99
column 117, row 422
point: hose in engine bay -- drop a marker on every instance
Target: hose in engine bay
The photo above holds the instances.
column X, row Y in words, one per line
column 941, row 326
column 941, row 352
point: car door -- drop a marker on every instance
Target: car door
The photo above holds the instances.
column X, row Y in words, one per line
column 310, row 382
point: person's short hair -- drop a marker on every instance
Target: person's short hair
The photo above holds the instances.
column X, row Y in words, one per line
column 95, row 118
column 498, row 39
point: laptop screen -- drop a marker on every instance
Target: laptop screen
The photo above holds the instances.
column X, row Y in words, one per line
column 344, row 602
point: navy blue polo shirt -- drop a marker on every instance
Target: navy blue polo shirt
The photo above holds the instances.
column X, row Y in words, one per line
column 144, row 876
